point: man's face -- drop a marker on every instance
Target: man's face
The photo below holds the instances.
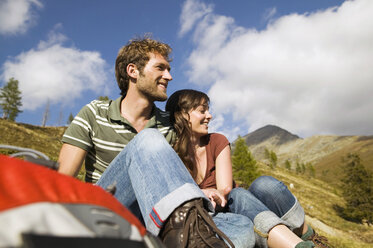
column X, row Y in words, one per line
column 153, row 80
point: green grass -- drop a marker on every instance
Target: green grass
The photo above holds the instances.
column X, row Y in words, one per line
column 44, row 139
column 318, row 198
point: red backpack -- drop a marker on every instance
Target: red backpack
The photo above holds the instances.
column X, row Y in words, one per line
column 40, row 207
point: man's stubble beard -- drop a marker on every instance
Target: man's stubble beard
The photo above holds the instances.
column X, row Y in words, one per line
column 152, row 93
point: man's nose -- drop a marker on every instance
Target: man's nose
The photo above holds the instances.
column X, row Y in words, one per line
column 167, row 75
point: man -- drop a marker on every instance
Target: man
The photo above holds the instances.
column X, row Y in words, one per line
column 121, row 146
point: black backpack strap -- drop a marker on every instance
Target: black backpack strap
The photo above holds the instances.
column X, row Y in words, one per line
column 46, row 241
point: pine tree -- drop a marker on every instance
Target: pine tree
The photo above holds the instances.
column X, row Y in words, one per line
column 303, row 168
column 298, row 168
column 311, row 169
column 46, row 114
column 71, row 118
column 272, row 157
column 103, row 98
column 60, row 118
column 245, row 169
column 288, row 165
column 357, row 190
column 10, row 99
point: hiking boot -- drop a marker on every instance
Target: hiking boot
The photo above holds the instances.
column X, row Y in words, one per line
column 305, row 244
column 319, row 241
column 190, row 226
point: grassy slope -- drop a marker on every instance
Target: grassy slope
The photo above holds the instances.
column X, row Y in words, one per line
column 323, row 151
column 332, row 162
column 44, row 139
column 316, row 196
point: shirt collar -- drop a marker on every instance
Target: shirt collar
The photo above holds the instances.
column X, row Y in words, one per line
column 114, row 113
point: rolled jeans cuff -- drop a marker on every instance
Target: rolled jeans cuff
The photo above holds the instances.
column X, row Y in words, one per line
column 263, row 223
column 164, row 208
column 294, row 218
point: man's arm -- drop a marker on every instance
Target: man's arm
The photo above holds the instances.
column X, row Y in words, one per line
column 71, row 159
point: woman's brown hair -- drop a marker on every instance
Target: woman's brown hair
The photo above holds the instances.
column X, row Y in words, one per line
column 179, row 104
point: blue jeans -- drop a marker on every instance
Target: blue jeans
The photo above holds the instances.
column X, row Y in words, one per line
column 267, row 203
column 152, row 181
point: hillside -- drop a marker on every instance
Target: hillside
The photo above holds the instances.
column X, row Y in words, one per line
column 44, row 139
column 318, row 199
column 316, row 196
column 324, row 152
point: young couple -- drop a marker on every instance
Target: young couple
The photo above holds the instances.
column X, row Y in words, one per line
column 126, row 143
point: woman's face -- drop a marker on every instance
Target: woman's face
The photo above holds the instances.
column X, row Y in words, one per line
column 199, row 119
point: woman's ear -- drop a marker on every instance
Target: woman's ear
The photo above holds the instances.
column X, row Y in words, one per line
column 132, row 71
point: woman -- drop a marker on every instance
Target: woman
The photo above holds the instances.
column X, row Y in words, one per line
column 268, row 203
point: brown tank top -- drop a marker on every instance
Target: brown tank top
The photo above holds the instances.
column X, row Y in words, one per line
column 215, row 144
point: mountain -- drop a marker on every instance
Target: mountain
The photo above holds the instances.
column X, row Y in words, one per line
column 277, row 135
column 324, row 152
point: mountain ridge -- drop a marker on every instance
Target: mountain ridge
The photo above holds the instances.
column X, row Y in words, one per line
column 324, row 152
column 268, row 131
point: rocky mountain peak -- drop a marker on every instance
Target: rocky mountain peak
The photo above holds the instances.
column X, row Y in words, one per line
column 269, row 132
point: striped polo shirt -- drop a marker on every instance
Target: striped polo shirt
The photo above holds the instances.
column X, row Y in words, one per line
column 100, row 129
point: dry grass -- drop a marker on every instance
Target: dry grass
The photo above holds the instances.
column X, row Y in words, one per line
column 44, row 139
column 318, row 198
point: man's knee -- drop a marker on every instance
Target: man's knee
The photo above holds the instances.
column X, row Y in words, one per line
column 150, row 133
column 150, row 139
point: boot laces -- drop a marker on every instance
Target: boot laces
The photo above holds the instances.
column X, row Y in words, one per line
column 192, row 222
column 320, row 241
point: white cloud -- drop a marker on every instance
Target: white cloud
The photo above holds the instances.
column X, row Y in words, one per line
column 55, row 72
column 269, row 13
column 17, row 15
column 219, row 125
column 309, row 73
column 192, row 11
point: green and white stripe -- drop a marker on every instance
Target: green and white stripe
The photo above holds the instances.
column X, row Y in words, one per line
column 103, row 133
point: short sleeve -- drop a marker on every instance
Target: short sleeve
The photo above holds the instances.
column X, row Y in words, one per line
column 79, row 132
column 218, row 143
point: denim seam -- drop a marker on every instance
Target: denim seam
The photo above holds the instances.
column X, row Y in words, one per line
column 294, row 218
column 263, row 223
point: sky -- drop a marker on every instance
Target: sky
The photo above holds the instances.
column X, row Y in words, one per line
column 305, row 66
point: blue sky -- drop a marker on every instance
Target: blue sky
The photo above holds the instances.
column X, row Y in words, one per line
column 303, row 65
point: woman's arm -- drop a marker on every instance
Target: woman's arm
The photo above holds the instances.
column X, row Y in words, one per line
column 224, row 178
column 223, row 173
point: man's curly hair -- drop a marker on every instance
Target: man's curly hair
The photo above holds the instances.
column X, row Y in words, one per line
column 137, row 52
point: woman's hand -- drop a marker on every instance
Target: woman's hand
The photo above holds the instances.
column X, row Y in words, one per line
column 217, row 197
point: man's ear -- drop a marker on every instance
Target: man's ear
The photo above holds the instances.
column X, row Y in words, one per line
column 132, row 70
